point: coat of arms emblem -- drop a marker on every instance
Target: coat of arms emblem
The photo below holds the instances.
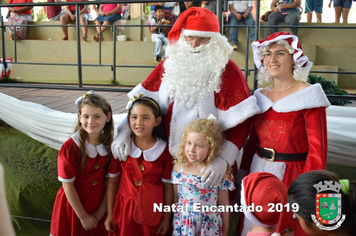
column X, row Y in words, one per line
column 328, row 205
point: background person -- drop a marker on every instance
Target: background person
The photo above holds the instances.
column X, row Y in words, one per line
column 284, row 11
column 313, row 5
column 240, row 11
column 54, row 13
column 289, row 136
column 70, row 17
column 19, row 16
column 108, row 14
column 157, row 31
column 341, row 7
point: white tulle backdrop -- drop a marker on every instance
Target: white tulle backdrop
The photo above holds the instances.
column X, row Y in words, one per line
column 53, row 127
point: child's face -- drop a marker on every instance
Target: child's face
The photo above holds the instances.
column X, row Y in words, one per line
column 142, row 121
column 93, row 120
column 159, row 13
column 196, row 148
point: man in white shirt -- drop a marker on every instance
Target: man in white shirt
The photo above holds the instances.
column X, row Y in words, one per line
column 240, row 11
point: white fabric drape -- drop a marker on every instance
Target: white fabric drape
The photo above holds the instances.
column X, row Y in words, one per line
column 53, row 127
column 41, row 123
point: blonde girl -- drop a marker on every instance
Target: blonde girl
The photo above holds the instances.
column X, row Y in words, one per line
column 200, row 144
column 80, row 203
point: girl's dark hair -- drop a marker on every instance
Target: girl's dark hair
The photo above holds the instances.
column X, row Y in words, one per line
column 303, row 193
column 159, row 130
column 107, row 134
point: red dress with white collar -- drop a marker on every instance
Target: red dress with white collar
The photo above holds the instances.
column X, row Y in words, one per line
column 293, row 124
column 157, row 164
column 90, row 185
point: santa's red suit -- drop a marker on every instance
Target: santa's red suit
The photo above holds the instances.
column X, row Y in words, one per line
column 233, row 106
column 231, row 103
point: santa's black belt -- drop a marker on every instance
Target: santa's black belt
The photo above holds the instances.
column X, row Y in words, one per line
column 269, row 154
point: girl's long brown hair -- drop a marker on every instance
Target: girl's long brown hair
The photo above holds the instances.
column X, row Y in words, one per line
column 107, row 133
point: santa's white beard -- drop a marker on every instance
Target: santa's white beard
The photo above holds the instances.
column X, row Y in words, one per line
column 193, row 72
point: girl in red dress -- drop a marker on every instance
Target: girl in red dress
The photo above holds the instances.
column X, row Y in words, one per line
column 80, row 204
column 155, row 164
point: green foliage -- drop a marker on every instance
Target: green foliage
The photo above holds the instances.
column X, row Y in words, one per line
column 41, row 16
column 265, row 6
column 114, row 82
column 30, row 177
column 330, row 88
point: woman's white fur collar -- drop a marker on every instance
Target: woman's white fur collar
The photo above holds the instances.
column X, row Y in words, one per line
column 310, row 97
column 92, row 150
column 151, row 154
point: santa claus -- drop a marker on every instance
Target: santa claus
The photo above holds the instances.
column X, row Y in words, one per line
column 197, row 79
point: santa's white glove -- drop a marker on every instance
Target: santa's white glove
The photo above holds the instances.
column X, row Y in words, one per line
column 120, row 147
column 213, row 174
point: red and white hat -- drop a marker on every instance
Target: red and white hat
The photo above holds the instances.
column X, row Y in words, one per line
column 195, row 21
column 292, row 40
column 266, row 190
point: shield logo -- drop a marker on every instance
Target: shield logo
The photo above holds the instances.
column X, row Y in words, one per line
column 328, row 208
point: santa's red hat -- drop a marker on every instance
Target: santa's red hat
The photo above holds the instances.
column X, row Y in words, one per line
column 266, row 190
column 195, row 21
column 292, row 40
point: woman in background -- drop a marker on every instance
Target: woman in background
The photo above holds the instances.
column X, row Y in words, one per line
column 19, row 16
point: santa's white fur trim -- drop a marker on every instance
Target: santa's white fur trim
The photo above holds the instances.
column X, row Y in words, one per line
column 260, row 165
column 276, row 234
column 237, row 114
column 310, row 97
column 209, row 34
column 159, row 96
column 249, row 214
column 229, row 152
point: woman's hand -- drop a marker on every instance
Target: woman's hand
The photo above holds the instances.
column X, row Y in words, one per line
column 280, row 7
column 12, row 9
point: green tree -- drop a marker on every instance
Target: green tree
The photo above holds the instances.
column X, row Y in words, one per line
column 40, row 15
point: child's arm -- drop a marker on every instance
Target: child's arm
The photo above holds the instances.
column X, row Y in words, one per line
column 166, row 219
column 110, row 195
column 100, row 212
column 84, row 10
column 153, row 28
column 223, row 199
column 88, row 221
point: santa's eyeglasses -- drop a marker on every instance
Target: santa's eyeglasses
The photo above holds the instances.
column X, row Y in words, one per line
column 197, row 39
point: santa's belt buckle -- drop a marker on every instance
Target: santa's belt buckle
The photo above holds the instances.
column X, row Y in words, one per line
column 272, row 154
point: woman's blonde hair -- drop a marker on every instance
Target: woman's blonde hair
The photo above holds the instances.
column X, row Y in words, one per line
column 209, row 129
